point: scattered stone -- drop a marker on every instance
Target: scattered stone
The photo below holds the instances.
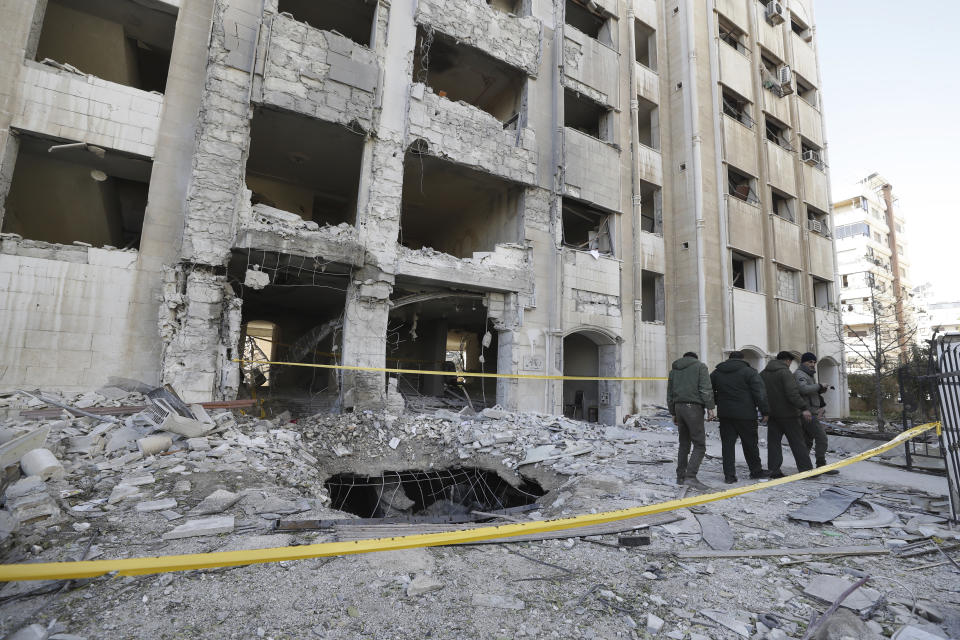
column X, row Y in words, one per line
column 186, row 427
column 728, row 621
column 182, row 486
column 496, row 601
column 912, row 632
column 256, row 279
column 203, row 527
column 198, row 444
column 843, row 624
column 829, row 588
column 171, row 515
column 422, row 584
column 152, row 445
column 394, row 442
column 138, row 481
column 654, row 624
column 122, row 492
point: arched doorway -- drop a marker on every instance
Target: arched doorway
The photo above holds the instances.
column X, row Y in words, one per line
column 828, row 374
column 754, row 357
column 591, row 353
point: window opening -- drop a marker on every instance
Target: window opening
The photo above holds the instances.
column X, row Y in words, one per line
column 587, row 228
column 652, row 307
column 737, row 107
column 458, row 72
column 807, row 92
column 778, row 133
column 744, row 272
column 733, row 36
column 783, row 205
column 351, row 18
column 811, row 154
column 586, row 116
column 506, row 6
column 818, row 221
column 645, row 38
column 651, row 208
column 799, row 28
column 592, row 23
column 741, row 186
column 648, row 120
column 65, row 192
column 821, row 294
column 122, row 41
column 304, row 166
column 775, row 76
column 787, row 284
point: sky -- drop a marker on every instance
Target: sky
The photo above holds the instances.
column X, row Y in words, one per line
column 891, row 94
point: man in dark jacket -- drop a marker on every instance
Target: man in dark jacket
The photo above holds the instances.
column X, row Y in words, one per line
column 810, row 390
column 688, row 394
column 740, row 394
column 786, row 409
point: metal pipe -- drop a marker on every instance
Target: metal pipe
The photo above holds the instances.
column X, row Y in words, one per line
column 691, row 115
column 636, row 206
column 726, row 286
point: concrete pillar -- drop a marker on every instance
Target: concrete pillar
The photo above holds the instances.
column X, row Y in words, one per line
column 364, row 330
column 506, row 364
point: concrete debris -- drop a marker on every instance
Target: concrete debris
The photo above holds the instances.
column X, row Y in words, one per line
column 156, row 505
column 654, row 624
column 422, row 584
column 217, row 502
column 716, row 532
column 728, row 621
column 41, row 463
column 881, row 517
column 828, row 588
column 844, row 624
column 830, row 504
column 122, row 492
column 203, row 527
column 152, row 445
column 185, row 427
column 912, row 632
column 256, row 279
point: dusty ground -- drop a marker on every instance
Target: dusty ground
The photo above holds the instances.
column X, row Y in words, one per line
column 571, row 588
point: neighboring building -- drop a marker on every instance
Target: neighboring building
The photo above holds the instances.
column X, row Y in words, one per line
column 935, row 314
column 540, row 187
column 874, row 271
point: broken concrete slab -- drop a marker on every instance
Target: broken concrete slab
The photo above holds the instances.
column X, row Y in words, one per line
column 831, row 503
column 496, row 601
column 156, row 505
column 152, row 445
column 202, row 527
column 844, row 624
column 122, row 492
column 728, row 621
column 881, row 517
column 828, row 588
column 217, row 502
column 913, row 632
column 716, row 531
column 13, row 450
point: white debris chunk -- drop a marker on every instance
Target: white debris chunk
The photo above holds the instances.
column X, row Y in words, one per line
column 42, row 463
column 203, row 527
column 156, row 505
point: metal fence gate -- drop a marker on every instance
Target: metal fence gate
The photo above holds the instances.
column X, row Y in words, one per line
column 947, row 349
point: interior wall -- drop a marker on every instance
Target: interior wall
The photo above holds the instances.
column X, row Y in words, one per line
column 93, row 45
column 281, row 195
column 56, row 201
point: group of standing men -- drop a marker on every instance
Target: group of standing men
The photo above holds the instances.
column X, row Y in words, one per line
column 789, row 403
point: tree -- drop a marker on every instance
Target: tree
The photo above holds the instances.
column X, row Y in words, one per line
column 885, row 341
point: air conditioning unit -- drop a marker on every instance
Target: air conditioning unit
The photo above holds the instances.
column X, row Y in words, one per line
column 815, row 225
column 785, row 78
column 812, row 157
column 775, row 12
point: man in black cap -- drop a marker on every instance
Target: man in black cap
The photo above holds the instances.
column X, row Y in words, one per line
column 786, row 409
column 740, row 394
column 810, row 390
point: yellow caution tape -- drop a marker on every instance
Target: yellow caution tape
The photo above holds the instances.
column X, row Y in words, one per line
column 460, row 374
column 139, row 566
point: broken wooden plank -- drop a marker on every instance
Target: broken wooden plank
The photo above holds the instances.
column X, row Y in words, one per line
column 871, row 550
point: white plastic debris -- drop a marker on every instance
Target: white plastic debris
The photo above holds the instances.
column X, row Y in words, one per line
column 42, row 463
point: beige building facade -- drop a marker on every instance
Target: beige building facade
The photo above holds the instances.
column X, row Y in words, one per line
column 536, row 187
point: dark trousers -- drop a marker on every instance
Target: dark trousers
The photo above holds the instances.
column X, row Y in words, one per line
column 746, row 430
column 790, row 427
column 816, row 438
column 690, row 427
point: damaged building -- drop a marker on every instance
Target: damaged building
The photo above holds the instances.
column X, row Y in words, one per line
column 191, row 188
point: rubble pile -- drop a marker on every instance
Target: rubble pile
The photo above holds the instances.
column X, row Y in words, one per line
column 155, row 483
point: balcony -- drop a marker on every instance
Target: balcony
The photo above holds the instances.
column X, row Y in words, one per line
column 780, row 168
column 793, row 326
column 592, row 170
column 736, row 12
column 811, row 122
column 464, row 134
column 776, row 106
column 804, row 59
column 651, row 165
column 740, row 145
column 815, row 187
column 750, row 319
column 771, row 37
column 591, row 295
column 66, row 105
column 745, row 226
column 261, row 227
column 821, row 256
column 591, row 67
column 509, row 38
column 319, row 74
column 648, row 83
column 786, row 242
column 736, row 72
column 504, row 269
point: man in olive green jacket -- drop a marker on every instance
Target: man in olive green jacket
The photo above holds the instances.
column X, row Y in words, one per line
column 688, row 393
column 786, row 408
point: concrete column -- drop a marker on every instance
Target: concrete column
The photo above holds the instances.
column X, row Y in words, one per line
column 364, row 342
column 507, row 363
